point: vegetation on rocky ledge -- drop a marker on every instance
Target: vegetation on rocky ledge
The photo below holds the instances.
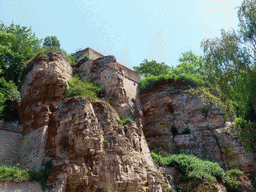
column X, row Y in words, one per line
column 192, row 167
column 15, row 174
column 83, row 88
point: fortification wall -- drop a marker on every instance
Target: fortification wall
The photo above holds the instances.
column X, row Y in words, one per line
column 9, row 143
column 94, row 54
column 32, row 149
column 27, row 150
column 128, row 73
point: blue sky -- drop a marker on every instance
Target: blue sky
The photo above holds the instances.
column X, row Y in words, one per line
column 131, row 30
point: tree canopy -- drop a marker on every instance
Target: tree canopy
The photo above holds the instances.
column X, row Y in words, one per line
column 51, row 41
column 232, row 67
column 152, row 68
column 17, row 45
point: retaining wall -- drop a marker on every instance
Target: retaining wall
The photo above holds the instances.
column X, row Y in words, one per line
column 25, row 186
column 32, row 149
column 9, row 143
column 27, row 150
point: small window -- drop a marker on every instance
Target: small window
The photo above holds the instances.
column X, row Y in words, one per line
column 134, row 84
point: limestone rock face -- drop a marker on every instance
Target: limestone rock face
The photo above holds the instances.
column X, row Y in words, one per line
column 163, row 108
column 90, row 150
column 44, row 82
column 120, row 83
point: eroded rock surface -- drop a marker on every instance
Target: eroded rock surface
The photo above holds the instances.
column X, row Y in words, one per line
column 90, row 150
column 44, row 82
column 208, row 139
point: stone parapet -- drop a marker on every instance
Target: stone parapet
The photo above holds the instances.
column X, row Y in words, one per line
column 94, row 54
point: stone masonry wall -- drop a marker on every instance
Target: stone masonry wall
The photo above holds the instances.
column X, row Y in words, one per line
column 32, row 149
column 24, row 149
column 9, row 143
column 90, row 51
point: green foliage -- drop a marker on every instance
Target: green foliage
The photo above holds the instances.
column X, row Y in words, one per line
column 8, row 90
column 123, row 122
column 192, row 167
column 17, row 175
column 229, row 65
column 83, row 88
column 51, row 41
column 191, row 69
column 241, row 122
column 87, row 56
column 174, row 129
column 186, row 130
column 152, row 68
column 150, row 81
column 17, row 45
column 230, row 179
column 248, row 134
column 2, row 101
column 71, row 57
column 111, row 101
column 190, row 64
column 243, row 95
column 166, row 186
column 205, row 110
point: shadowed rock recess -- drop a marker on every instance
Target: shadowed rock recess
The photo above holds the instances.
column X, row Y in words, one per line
column 91, row 151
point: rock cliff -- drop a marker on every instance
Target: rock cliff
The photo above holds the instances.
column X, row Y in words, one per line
column 209, row 137
column 91, row 151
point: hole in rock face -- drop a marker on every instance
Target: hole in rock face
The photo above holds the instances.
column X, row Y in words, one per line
column 171, row 108
column 64, row 143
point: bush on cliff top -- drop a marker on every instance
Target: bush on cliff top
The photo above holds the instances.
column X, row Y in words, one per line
column 47, row 50
column 150, row 81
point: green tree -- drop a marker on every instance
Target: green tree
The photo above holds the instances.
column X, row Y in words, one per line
column 225, row 61
column 17, row 45
column 191, row 64
column 8, row 90
column 51, row 41
column 231, row 67
column 152, row 68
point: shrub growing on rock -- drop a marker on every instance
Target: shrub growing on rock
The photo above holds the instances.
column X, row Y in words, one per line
column 83, row 88
column 192, row 167
column 186, row 130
